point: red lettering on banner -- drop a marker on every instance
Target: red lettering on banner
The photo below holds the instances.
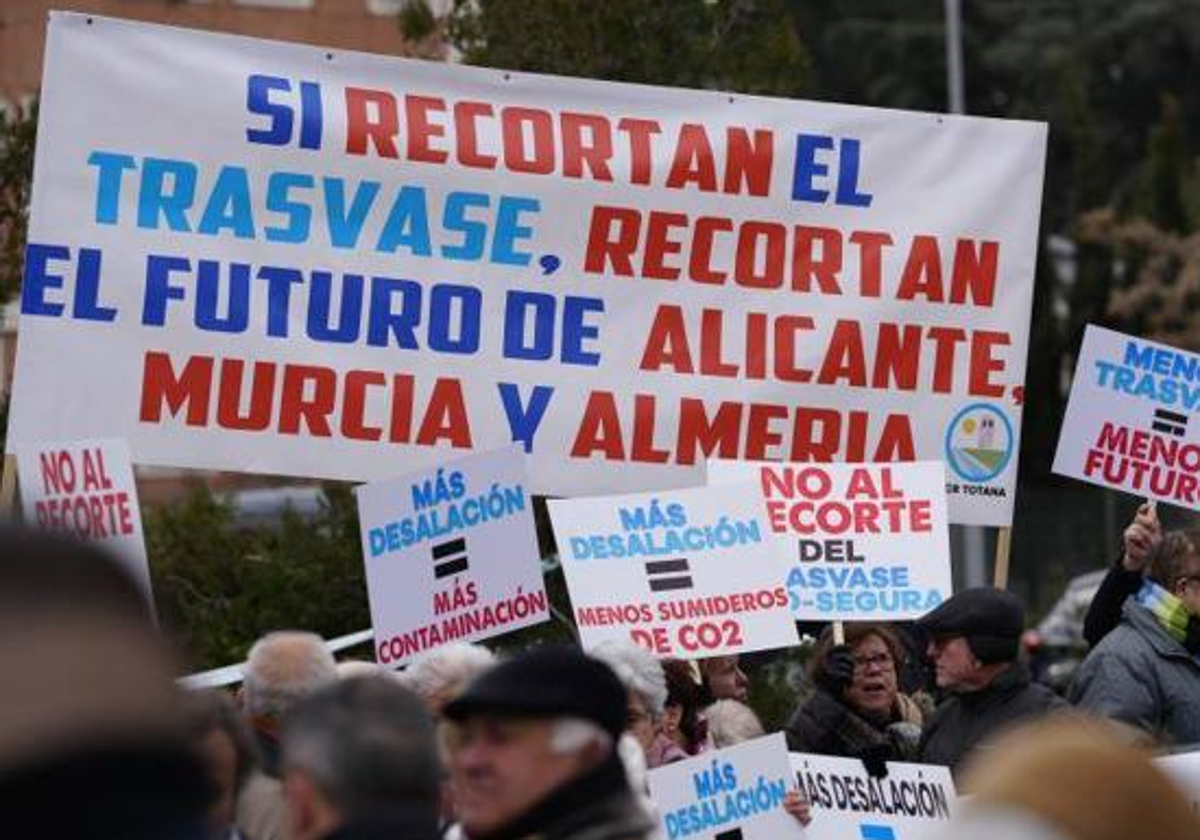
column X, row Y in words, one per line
column 306, row 401
column 229, row 401
column 58, row 472
column 846, row 361
column 96, row 516
column 700, row 260
column 95, row 476
column 421, row 130
column 640, row 133
column 300, row 401
column 538, row 157
column 465, row 114
column 361, row 128
column 843, row 360
column 834, row 516
column 747, row 431
column 748, row 162
column 580, row 145
column 595, row 154
column 870, row 258
column 807, row 266
column 191, row 388
column 803, row 259
column 354, row 409
column 983, row 363
column 659, row 246
column 693, row 163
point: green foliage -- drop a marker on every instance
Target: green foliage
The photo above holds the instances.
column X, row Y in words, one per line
column 1161, row 197
column 740, row 45
column 219, row 587
column 18, row 132
column 417, row 20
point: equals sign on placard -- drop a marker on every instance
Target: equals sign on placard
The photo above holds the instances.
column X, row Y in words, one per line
column 668, row 574
column 449, row 558
column 1170, row 422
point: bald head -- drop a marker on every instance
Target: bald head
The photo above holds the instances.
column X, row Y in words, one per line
column 283, row 668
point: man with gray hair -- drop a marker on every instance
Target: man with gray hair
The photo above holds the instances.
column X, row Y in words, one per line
column 534, row 751
column 360, row 761
column 282, row 668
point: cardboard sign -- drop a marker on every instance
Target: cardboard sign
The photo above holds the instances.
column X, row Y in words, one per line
column 729, row 794
column 685, row 573
column 451, row 555
column 85, row 489
column 870, row 541
column 911, row 802
column 257, row 256
column 1127, row 424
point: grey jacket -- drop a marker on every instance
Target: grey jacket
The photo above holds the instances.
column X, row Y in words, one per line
column 1140, row 675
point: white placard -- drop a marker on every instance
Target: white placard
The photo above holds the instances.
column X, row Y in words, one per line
column 912, row 802
column 451, row 554
column 870, row 542
column 732, row 794
column 258, row 256
column 684, row 573
column 1127, row 424
column 85, row 488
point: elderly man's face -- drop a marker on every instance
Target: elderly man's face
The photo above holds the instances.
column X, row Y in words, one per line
column 502, row 767
column 955, row 662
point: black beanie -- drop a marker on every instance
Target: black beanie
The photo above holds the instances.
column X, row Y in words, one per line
column 990, row 619
column 548, row 681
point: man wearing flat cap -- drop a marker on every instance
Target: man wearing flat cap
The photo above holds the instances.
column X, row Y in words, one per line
column 974, row 638
column 533, row 751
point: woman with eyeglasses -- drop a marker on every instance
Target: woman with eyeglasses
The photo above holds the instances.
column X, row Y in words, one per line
column 857, row 709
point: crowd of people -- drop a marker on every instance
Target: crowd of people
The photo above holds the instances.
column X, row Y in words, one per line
column 97, row 741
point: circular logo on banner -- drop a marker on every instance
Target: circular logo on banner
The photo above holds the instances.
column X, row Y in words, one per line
column 979, row 442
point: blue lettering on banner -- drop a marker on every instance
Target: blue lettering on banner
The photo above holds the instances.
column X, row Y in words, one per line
column 291, row 207
column 876, row 832
column 812, row 164
column 443, row 506
column 1158, row 374
column 259, row 90
column 721, row 801
column 657, row 530
column 879, row 589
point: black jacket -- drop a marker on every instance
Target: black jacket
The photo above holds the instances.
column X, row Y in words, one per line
column 964, row 721
column 827, row 726
column 1104, row 613
column 596, row 806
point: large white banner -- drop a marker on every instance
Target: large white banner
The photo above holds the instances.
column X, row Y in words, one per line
column 868, row 541
column 86, row 490
column 259, row 256
column 451, row 554
column 684, row 573
column 728, row 794
column 911, row 802
column 1127, row 424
